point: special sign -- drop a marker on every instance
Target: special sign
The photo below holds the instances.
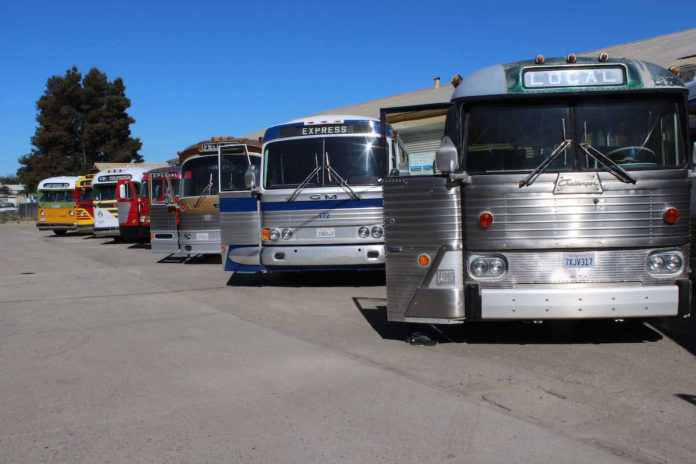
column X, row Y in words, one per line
column 326, row 129
column 164, row 175
column 574, row 77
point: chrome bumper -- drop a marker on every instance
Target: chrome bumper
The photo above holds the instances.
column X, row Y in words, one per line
column 580, row 303
column 200, row 242
column 321, row 256
column 107, row 232
column 164, row 241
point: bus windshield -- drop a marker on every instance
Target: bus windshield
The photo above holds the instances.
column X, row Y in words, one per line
column 56, row 196
column 357, row 160
column 85, row 195
column 160, row 190
column 234, row 167
column 104, row 192
column 200, row 175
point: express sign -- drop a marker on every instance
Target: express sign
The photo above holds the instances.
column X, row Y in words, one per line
column 574, row 77
column 326, row 129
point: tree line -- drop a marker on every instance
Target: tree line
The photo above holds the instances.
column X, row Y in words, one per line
column 81, row 120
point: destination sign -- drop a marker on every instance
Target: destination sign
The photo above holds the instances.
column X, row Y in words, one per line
column 574, row 77
column 114, row 178
column 213, row 146
column 56, row 185
column 326, row 129
column 164, row 175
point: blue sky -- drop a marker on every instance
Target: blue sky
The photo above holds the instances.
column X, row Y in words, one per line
column 199, row 69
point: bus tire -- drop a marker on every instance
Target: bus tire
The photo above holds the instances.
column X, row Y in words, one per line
column 60, row 232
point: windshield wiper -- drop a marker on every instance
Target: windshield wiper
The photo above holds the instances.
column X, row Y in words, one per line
column 205, row 192
column 306, row 181
column 529, row 180
column 618, row 172
column 341, row 180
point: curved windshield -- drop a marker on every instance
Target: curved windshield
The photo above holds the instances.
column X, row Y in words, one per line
column 517, row 138
column 56, row 196
column 200, row 175
column 633, row 134
column 104, row 192
column 234, row 166
column 85, row 195
column 323, row 162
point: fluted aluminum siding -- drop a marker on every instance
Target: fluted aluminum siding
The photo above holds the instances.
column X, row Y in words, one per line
column 161, row 218
column 205, row 221
column 421, row 214
column 239, row 228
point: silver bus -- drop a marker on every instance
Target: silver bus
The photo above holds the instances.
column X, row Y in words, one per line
column 164, row 184
column 560, row 191
column 318, row 204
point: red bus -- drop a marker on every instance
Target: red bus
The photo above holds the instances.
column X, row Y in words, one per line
column 133, row 209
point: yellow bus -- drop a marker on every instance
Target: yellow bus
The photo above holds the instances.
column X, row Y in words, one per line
column 57, row 207
column 84, row 204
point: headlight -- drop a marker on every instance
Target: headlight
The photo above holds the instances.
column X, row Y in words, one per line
column 487, row 267
column 72, row 212
column 43, row 213
column 377, row 232
column 665, row 262
column 364, row 232
column 478, row 267
column 287, row 234
column 274, row 234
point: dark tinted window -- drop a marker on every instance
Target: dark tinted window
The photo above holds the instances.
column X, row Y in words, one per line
column 233, row 168
column 289, row 162
column 198, row 173
column 358, row 160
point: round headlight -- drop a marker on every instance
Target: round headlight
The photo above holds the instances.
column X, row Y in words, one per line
column 655, row 263
column 479, row 267
column 274, row 234
column 363, row 232
column 673, row 263
column 496, row 266
column 377, row 232
column 287, row 234
column 43, row 213
column 72, row 212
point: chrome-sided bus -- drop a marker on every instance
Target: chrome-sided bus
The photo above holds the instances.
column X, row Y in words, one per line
column 57, row 209
column 164, row 216
column 199, row 204
column 104, row 194
column 319, row 204
column 560, row 190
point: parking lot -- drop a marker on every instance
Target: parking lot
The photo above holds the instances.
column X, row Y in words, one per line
column 110, row 353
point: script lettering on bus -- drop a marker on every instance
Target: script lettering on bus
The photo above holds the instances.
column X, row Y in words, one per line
column 114, row 178
column 574, row 77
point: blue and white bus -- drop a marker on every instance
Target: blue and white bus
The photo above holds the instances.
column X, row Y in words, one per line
column 317, row 203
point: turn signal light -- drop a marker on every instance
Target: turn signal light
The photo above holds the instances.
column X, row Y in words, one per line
column 266, row 234
column 423, row 260
column 485, row 219
column 671, row 215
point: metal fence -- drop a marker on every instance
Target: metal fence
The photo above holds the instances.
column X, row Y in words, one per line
column 30, row 210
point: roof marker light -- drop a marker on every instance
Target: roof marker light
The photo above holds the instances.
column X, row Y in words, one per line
column 424, row 260
column 324, row 122
column 571, row 58
column 604, row 56
column 539, row 59
column 671, row 215
column 456, row 80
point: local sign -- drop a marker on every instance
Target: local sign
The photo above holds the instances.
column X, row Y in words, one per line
column 573, row 77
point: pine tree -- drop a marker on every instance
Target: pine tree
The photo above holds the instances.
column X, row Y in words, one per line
column 81, row 121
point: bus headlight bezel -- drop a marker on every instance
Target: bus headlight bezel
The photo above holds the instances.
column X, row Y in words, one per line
column 43, row 213
column 665, row 263
column 364, row 232
column 377, row 232
column 286, row 234
column 274, row 234
column 487, row 267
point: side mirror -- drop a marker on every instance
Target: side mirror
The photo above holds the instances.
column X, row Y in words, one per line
column 446, row 156
column 250, row 177
column 122, row 191
column 693, row 154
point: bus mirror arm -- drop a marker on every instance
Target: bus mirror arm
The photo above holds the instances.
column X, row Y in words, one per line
column 446, row 156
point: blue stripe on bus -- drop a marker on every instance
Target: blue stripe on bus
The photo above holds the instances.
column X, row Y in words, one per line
column 321, row 204
column 236, row 205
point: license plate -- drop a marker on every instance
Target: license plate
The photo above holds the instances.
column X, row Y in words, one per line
column 326, row 232
column 202, row 236
column 579, row 260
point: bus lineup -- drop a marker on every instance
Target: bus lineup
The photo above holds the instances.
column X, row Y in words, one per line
column 553, row 188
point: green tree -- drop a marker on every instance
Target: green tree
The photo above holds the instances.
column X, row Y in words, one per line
column 80, row 121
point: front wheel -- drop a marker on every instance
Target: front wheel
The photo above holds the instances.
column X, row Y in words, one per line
column 60, row 232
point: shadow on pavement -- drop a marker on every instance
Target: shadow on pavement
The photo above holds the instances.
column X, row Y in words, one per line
column 309, row 279
column 680, row 331
column 515, row 332
column 688, row 398
column 204, row 259
column 140, row 246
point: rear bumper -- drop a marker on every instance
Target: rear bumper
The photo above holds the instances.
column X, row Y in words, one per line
column 582, row 302
column 322, row 256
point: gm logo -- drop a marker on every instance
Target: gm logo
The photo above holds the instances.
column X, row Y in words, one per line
column 327, row 196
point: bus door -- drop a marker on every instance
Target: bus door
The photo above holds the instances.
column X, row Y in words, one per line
column 164, row 227
column 240, row 214
column 423, row 239
column 127, row 202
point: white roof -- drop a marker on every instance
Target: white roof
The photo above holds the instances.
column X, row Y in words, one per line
column 330, row 118
column 62, row 180
column 136, row 172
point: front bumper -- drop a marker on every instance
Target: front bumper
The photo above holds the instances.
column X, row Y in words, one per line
column 322, row 256
column 107, row 232
column 55, row 226
column 200, row 242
